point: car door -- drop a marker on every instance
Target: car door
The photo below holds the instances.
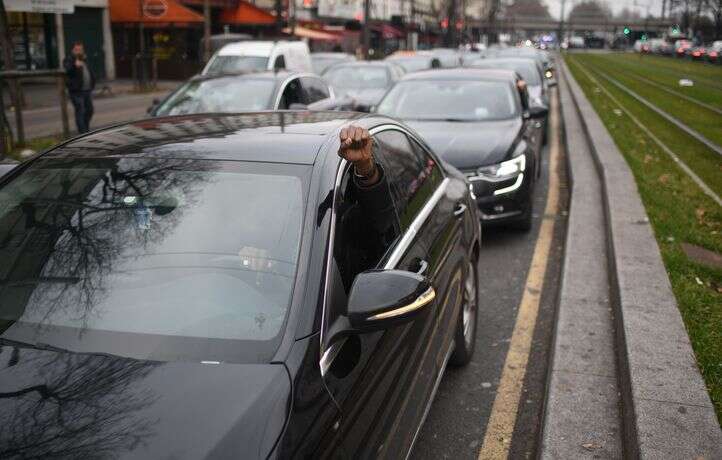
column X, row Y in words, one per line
column 314, row 89
column 382, row 380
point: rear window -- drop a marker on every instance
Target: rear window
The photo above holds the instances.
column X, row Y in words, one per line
column 219, row 95
column 153, row 259
column 234, row 64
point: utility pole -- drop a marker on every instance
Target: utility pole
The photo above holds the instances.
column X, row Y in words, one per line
column 366, row 29
column 206, row 30
column 279, row 17
column 561, row 24
column 13, row 84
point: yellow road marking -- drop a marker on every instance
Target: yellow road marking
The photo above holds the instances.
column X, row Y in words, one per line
column 501, row 423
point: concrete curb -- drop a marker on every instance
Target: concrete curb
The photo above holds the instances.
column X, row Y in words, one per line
column 581, row 410
column 667, row 412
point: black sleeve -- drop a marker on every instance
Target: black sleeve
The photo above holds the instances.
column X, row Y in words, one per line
column 376, row 204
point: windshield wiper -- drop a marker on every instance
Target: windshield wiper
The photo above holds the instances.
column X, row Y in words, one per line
column 47, row 347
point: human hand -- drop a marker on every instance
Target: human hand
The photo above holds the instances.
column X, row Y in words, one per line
column 356, row 147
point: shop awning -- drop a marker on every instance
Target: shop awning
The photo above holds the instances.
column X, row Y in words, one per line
column 247, row 14
column 152, row 12
column 311, row 34
column 212, row 3
column 387, row 31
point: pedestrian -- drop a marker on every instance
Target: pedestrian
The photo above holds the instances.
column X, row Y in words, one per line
column 80, row 82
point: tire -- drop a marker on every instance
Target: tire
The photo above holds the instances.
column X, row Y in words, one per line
column 465, row 333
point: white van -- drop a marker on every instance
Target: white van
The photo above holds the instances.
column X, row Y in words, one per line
column 260, row 55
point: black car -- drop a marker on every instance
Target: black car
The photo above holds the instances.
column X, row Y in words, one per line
column 532, row 73
column 322, row 61
column 233, row 93
column 480, row 121
column 364, row 82
column 215, row 286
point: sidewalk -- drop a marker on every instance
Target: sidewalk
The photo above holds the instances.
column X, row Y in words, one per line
column 43, row 92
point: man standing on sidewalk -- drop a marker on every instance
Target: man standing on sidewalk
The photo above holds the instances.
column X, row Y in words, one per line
column 80, row 83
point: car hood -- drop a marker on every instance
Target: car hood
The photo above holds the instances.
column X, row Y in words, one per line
column 368, row 97
column 90, row 406
column 468, row 145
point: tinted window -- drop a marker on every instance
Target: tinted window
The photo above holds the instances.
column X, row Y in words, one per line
column 292, row 94
column 414, row 174
column 235, row 64
column 362, row 238
column 453, row 100
column 152, row 259
column 231, row 94
column 314, row 88
column 280, row 62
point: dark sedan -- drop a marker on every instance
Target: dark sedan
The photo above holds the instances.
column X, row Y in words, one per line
column 532, row 73
column 364, row 82
column 215, row 286
column 233, row 93
column 479, row 121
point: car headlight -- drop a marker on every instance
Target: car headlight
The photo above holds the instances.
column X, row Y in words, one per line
column 548, row 74
column 504, row 170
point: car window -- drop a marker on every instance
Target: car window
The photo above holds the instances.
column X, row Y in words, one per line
column 413, row 173
column 151, row 258
column 233, row 64
column 314, row 89
column 449, row 100
column 280, row 63
column 361, row 240
column 292, row 94
column 227, row 94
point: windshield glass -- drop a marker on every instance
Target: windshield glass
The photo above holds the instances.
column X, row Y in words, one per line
column 357, row 77
column 229, row 94
column 413, row 64
column 527, row 70
column 320, row 64
column 453, row 100
column 153, row 259
column 235, row 64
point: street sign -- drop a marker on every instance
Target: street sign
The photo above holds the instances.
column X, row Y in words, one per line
column 40, row 6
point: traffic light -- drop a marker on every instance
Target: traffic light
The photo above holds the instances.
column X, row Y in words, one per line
column 626, row 31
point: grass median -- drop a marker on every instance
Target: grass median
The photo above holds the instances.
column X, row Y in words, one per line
column 679, row 211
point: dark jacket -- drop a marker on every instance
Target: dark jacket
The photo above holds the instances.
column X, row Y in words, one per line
column 74, row 81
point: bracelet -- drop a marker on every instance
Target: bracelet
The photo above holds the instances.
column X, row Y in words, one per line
column 369, row 175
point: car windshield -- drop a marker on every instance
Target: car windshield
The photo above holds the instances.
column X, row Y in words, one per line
column 227, row 94
column 413, row 64
column 322, row 63
column 163, row 259
column 234, row 64
column 452, row 100
column 527, row 70
column 357, row 77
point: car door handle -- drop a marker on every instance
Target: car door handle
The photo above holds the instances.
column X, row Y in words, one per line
column 423, row 266
column 459, row 210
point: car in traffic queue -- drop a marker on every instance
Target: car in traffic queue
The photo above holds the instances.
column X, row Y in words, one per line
column 537, row 86
column 542, row 57
column 322, row 61
column 480, row 121
column 415, row 61
column 366, row 82
column 213, row 286
column 232, row 93
column 259, row 55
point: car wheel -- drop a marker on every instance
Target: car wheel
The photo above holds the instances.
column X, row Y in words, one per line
column 465, row 334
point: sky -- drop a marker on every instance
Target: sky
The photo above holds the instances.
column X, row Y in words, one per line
column 655, row 6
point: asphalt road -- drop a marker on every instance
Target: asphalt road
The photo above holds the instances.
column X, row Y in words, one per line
column 46, row 121
column 457, row 422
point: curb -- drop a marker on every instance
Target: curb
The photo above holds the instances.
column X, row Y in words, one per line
column 666, row 410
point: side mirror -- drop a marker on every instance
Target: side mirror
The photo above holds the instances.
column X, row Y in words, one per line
column 380, row 299
column 538, row 112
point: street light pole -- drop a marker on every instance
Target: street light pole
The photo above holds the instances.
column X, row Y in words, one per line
column 366, row 29
column 561, row 23
column 206, row 30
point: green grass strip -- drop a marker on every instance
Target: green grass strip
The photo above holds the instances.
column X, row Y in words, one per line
column 679, row 212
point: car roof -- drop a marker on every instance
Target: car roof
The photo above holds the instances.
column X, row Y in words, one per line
column 364, row 64
column 273, row 136
column 463, row 74
column 338, row 54
column 251, row 75
column 254, row 48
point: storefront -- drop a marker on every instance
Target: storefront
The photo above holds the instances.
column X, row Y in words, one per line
column 43, row 32
column 165, row 32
